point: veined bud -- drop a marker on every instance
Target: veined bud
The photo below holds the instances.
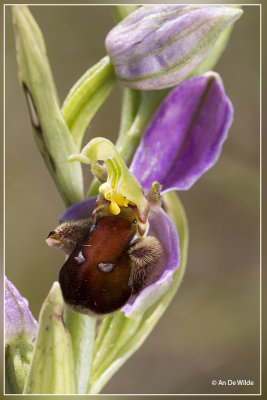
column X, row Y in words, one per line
column 20, row 333
column 158, row 46
column 19, row 321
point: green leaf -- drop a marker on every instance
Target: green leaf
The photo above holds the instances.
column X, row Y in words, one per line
column 52, row 367
column 49, row 127
column 82, row 330
column 119, row 337
column 86, row 97
column 17, row 364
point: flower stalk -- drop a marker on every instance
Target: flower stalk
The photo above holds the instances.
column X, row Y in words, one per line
column 82, row 332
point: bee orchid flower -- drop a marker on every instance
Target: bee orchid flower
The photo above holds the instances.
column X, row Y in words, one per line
column 183, row 140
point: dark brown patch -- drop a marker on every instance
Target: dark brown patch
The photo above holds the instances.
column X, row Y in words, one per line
column 87, row 289
column 32, row 109
column 52, row 163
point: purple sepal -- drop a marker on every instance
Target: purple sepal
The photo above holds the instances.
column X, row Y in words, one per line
column 158, row 46
column 19, row 321
column 163, row 228
column 80, row 210
column 185, row 137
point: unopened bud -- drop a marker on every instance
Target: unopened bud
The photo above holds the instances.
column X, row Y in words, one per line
column 158, row 46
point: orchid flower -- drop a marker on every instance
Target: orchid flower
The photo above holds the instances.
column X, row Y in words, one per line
column 155, row 47
column 183, row 140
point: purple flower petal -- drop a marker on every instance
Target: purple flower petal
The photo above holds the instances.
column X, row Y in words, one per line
column 186, row 135
column 158, row 46
column 19, row 321
column 80, row 210
column 163, row 228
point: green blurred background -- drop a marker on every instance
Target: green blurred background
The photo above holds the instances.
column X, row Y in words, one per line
column 211, row 329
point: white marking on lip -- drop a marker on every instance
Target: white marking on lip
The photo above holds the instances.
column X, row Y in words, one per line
column 79, row 258
column 105, row 267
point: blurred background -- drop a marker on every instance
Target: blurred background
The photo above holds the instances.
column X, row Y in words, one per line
column 211, row 329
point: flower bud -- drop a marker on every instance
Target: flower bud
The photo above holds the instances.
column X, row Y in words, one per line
column 20, row 333
column 158, row 46
column 19, row 321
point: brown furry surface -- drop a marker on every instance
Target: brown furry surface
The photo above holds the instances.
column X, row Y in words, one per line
column 68, row 234
column 145, row 254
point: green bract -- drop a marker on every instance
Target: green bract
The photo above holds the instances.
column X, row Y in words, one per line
column 49, row 127
column 86, row 96
column 52, row 367
column 18, row 356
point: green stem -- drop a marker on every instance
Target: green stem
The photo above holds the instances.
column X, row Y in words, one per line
column 82, row 330
column 130, row 104
column 128, row 143
column 120, row 330
column 114, row 328
column 102, row 332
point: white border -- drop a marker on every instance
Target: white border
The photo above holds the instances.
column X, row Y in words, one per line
column 4, row 203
